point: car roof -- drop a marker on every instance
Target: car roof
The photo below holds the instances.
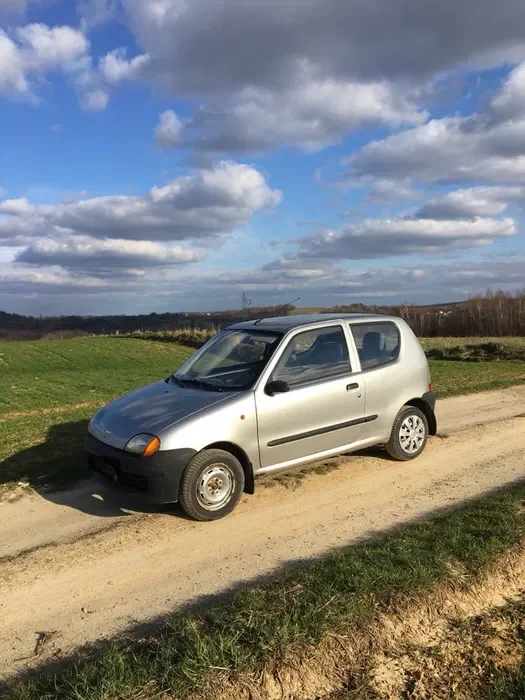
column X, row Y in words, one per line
column 283, row 324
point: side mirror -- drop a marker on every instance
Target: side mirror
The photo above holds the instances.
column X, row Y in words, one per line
column 278, row 386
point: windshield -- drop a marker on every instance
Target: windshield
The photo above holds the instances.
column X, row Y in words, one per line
column 232, row 360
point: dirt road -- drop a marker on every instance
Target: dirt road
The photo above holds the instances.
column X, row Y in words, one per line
column 86, row 568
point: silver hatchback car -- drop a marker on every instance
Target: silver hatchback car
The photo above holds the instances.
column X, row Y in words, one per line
column 261, row 397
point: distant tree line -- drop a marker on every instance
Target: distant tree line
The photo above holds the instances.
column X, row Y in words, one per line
column 18, row 327
column 496, row 314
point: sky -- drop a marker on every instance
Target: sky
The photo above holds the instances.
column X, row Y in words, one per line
column 168, row 155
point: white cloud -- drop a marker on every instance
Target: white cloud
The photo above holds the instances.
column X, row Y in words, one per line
column 380, row 238
column 16, row 207
column 115, row 67
column 95, row 101
column 510, row 101
column 95, row 13
column 486, row 147
column 100, row 257
column 391, row 191
column 306, row 73
column 46, row 47
column 472, row 202
column 12, row 73
column 117, row 236
column 311, row 114
column 167, row 131
column 34, row 50
column 224, row 46
column 25, row 289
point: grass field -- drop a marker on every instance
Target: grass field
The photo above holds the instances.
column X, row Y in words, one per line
column 512, row 343
column 51, row 388
column 340, row 596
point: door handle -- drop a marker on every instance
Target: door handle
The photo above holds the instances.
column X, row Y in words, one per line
column 350, row 387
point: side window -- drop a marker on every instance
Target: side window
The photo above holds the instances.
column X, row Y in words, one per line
column 314, row 355
column 377, row 343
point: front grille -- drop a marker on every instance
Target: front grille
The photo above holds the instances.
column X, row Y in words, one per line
column 105, row 466
column 140, row 483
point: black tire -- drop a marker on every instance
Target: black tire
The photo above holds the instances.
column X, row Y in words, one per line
column 209, row 472
column 395, row 446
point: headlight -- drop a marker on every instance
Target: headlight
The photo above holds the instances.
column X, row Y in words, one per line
column 143, row 444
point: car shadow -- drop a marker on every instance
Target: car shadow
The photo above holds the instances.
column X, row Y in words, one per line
column 57, row 470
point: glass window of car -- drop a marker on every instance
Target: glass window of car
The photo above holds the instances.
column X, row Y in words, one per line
column 231, row 360
column 377, row 343
column 313, row 355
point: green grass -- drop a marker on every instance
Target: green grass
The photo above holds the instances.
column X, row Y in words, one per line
column 339, row 593
column 50, row 373
column 51, row 388
column 455, row 378
column 443, row 343
column 508, row 684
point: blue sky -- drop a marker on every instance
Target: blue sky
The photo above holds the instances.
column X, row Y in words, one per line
column 161, row 155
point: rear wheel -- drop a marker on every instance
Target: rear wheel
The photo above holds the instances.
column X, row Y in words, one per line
column 211, row 485
column 409, row 434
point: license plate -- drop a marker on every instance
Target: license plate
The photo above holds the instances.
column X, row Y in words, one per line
column 106, row 468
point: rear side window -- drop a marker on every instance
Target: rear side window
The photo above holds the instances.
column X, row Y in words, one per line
column 314, row 355
column 377, row 343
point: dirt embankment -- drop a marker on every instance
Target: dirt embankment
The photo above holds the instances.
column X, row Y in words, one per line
column 447, row 645
column 84, row 568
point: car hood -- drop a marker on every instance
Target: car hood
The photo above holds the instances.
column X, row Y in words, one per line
column 151, row 409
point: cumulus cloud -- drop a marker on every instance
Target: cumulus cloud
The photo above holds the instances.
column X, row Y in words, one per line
column 34, row 50
column 471, row 202
column 94, row 13
column 167, row 131
column 452, row 149
column 115, row 67
column 311, row 114
column 275, row 283
column 211, row 202
column 95, row 100
column 380, row 238
column 391, row 191
column 509, row 103
column 222, row 47
column 305, row 73
column 485, row 147
column 23, row 281
column 105, row 256
column 337, row 285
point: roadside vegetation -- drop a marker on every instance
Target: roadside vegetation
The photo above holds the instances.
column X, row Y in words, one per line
column 342, row 599
column 50, row 389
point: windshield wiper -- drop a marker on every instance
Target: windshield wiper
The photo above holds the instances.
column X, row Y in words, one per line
column 196, row 382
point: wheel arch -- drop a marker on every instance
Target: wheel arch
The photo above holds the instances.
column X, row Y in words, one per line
column 240, row 454
column 427, row 410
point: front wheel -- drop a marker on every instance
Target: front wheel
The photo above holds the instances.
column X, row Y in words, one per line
column 409, row 434
column 211, row 485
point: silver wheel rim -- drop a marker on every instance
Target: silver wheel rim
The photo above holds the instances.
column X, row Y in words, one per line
column 412, row 434
column 215, row 487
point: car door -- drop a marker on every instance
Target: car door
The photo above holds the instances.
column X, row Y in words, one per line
column 378, row 345
column 324, row 408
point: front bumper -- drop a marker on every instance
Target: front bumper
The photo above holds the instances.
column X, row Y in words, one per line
column 156, row 478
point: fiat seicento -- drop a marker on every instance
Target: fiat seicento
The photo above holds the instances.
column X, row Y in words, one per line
column 261, row 397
